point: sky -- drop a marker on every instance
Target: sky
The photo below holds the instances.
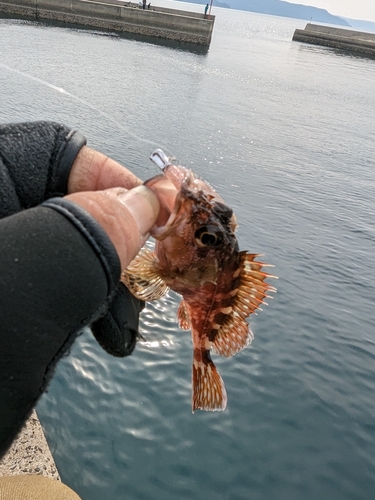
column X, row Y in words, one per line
column 354, row 9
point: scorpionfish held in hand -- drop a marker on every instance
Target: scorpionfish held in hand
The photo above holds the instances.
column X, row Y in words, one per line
column 196, row 255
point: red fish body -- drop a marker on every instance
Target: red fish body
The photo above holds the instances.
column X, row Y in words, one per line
column 196, row 255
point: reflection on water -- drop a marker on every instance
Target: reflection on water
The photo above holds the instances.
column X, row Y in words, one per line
column 156, row 343
column 163, row 42
column 101, row 32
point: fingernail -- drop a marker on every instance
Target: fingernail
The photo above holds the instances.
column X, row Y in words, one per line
column 143, row 205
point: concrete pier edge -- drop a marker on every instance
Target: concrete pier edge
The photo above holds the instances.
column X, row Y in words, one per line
column 30, row 453
column 115, row 15
column 338, row 38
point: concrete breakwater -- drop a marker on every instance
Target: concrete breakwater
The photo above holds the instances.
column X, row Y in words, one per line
column 338, row 38
column 116, row 15
column 29, row 453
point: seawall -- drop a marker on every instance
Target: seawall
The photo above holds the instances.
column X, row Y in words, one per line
column 29, row 453
column 338, row 38
column 116, row 15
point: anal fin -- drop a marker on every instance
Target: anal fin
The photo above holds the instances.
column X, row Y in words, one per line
column 183, row 317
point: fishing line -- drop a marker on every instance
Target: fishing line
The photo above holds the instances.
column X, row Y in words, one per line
column 153, row 145
column 60, row 90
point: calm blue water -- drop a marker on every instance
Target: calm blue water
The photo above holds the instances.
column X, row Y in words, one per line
column 284, row 131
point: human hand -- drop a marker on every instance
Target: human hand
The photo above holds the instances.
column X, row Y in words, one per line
column 127, row 214
column 105, row 189
column 93, row 171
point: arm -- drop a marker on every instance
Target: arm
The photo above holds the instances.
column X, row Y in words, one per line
column 35, row 163
column 41, row 160
column 60, row 260
column 58, row 271
column 53, row 281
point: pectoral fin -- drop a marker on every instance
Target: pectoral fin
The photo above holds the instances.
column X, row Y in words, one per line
column 233, row 332
column 144, row 277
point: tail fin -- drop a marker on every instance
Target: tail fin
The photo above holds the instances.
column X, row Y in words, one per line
column 208, row 387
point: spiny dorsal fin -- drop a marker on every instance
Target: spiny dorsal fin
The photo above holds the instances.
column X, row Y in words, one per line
column 183, row 316
column 208, row 387
column 144, row 276
column 234, row 334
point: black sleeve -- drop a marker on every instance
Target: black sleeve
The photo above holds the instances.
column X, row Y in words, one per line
column 58, row 270
column 35, row 162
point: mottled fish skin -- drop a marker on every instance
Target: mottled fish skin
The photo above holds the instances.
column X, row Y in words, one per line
column 196, row 255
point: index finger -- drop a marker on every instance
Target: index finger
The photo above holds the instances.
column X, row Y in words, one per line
column 94, row 171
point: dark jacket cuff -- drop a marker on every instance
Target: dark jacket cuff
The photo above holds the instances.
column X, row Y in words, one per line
column 94, row 234
column 65, row 158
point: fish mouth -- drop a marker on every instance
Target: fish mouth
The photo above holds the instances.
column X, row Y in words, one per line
column 166, row 194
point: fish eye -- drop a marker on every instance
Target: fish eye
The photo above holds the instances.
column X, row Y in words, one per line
column 208, row 236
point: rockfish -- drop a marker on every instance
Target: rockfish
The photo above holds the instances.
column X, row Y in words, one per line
column 196, row 255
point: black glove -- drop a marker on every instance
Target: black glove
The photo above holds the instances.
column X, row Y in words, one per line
column 117, row 330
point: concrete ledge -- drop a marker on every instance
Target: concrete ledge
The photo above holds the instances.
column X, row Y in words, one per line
column 113, row 15
column 29, row 453
column 349, row 40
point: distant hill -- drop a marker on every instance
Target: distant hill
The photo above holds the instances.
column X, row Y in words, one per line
column 280, row 8
column 358, row 25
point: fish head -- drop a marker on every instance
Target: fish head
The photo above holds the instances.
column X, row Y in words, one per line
column 195, row 233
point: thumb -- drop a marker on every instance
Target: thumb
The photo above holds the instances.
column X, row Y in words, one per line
column 126, row 216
